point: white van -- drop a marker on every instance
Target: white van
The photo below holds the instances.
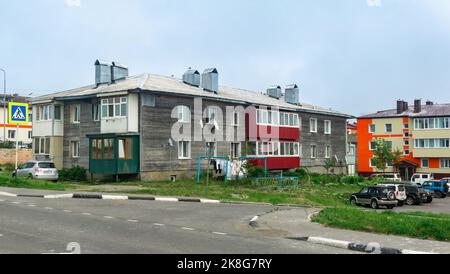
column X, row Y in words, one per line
column 420, row 178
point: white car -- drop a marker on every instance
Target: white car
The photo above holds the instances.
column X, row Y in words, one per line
column 400, row 192
column 394, row 177
column 420, row 178
column 38, row 170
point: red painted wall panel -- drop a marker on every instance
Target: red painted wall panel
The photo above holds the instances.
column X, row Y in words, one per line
column 274, row 163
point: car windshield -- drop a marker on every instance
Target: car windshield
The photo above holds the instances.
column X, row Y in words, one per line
column 46, row 165
column 428, row 184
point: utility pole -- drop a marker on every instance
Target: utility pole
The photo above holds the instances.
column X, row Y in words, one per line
column 4, row 104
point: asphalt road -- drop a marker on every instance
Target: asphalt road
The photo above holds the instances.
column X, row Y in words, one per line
column 36, row 226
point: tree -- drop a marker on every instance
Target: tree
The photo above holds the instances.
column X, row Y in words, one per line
column 383, row 154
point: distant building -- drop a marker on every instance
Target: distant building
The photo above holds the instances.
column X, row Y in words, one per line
column 122, row 125
column 352, row 143
column 420, row 132
column 9, row 132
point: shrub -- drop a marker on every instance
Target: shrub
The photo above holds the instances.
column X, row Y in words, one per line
column 8, row 167
column 351, row 180
column 7, row 144
column 75, row 173
column 254, row 171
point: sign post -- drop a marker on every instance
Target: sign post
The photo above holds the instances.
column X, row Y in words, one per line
column 17, row 115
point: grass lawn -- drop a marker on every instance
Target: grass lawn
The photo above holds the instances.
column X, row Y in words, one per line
column 416, row 225
column 315, row 194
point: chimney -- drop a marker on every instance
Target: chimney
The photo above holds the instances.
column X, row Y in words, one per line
column 405, row 106
column 430, row 103
column 400, row 106
column 292, row 94
column 417, row 106
column 192, row 77
column 103, row 71
column 210, row 80
column 118, row 72
column 274, row 92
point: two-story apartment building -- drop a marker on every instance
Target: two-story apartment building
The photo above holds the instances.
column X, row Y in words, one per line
column 158, row 127
column 10, row 132
column 420, row 132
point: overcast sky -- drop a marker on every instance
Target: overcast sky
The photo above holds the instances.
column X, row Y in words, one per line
column 348, row 55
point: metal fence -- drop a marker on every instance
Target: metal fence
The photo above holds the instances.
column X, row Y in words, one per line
column 277, row 182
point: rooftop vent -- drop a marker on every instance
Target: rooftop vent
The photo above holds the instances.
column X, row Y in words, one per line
column 192, row 77
column 292, row 94
column 274, row 92
column 118, row 72
column 103, row 72
column 402, row 106
column 210, row 80
column 430, row 103
column 417, row 106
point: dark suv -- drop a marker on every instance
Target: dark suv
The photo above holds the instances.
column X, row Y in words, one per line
column 416, row 195
column 375, row 196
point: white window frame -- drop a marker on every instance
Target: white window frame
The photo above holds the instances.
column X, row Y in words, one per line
column 232, row 150
column 41, row 142
column 75, row 149
column 327, row 127
column 386, row 128
column 313, row 125
column 76, row 113
column 374, row 128
column 14, row 132
column 184, row 114
column 44, row 113
column 422, row 161
column 117, row 104
column 371, row 164
column 445, row 163
column 181, row 150
column 313, row 149
column 96, row 111
column 328, row 152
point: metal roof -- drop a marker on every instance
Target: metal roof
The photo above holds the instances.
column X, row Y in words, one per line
column 170, row 85
column 427, row 111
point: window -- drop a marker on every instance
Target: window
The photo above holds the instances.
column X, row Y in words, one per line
column 30, row 134
column 406, row 126
column 425, row 163
column 352, row 150
column 235, row 119
column 278, row 149
column 406, row 134
column 372, row 128
column 102, row 149
column 313, row 151
column 287, row 119
column 432, row 143
column 212, row 115
column 388, row 128
column 235, row 150
column 42, row 146
column 372, row 163
column 75, row 148
column 406, row 152
column 96, row 111
column 445, row 163
column 327, row 127
column 148, row 100
column 12, row 134
column 43, row 113
column 313, row 125
column 76, row 112
column 125, row 149
column 328, row 152
column 57, row 113
column 114, row 108
column 184, row 114
column 432, row 123
column 406, row 142
column 211, row 149
column 373, row 145
column 184, row 150
column 389, row 163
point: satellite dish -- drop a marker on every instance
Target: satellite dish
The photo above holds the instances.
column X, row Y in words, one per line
column 216, row 125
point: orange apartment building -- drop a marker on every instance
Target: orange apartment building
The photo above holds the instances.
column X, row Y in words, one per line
column 420, row 132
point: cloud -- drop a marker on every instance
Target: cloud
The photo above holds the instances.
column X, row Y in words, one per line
column 73, row 3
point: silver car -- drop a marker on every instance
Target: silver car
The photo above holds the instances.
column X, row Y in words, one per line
column 38, row 170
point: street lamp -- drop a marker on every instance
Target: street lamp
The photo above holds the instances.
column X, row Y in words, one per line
column 4, row 104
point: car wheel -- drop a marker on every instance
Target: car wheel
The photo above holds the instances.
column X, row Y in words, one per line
column 353, row 201
column 429, row 200
column 30, row 176
column 14, row 175
column 410, row 201
column 390, row 207
column 374, row 204
column 401, row 203
column 438, row 194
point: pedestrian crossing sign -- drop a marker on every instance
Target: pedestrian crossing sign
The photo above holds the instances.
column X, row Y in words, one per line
column 18, row 113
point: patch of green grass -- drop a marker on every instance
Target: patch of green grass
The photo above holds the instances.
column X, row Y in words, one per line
column 402, row 224
column 8, row 181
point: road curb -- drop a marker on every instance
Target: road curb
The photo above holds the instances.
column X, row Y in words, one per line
column 365, row 248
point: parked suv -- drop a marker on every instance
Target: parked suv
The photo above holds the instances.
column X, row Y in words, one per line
column 439, row 188
column 38, row 170
column 394, row 177
column 416, row 195
column 420, row 178
column 400, row 192
column 375, row 196
column 447, row 181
